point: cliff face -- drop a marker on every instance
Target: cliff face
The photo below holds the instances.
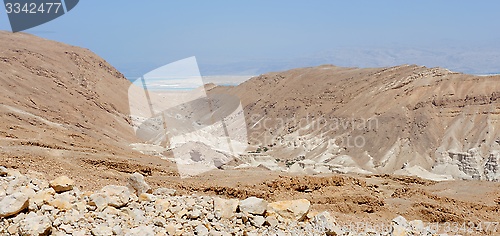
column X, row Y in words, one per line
column 384, row 119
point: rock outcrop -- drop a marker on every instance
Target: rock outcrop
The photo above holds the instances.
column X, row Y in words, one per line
column 492, row 167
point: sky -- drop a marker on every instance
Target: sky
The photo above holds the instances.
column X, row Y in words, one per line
column 253, row 37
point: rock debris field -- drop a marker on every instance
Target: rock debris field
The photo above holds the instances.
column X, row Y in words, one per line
column 35, row 207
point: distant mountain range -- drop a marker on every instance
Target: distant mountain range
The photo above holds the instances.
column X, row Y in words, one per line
column 478, row 61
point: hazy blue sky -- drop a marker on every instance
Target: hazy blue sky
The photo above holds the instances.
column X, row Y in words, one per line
column 249, row 37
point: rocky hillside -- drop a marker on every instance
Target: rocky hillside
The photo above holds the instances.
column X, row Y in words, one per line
column 63, row 110
column 76, row 96
column 406, row 119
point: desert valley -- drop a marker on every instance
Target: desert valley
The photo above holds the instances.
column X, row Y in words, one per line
column 412, row 148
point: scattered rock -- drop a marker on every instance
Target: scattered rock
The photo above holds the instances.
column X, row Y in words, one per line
column 195, row 214
column 100, row 200
column 170, row 228
column 3, row 171
column 225, row 208
column 296, row 168
column 141, row 230
column 117, row 196
column 418, row 226
column 201, row 230
column 13, row 204
column 41, row 197
column 138, row 185
column 162, row 205
column 35, row 225
column 400, row 221
column 258, row 220
column 26, row 209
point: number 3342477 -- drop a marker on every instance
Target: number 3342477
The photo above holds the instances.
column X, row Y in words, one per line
column 33, row 8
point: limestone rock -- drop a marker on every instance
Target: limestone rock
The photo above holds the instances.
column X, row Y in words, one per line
column 201, row 230
column 399, row 220
column 141, row 230
column 253, row 205
column 326, row 223
column 13, row 204
column 417, row 226
column 164, row 192
column 3, row 171
column 291, row 210
column 399, row 226
column 42, row 196
column 118, row 196
column 146, row 197
column 114, row 210
column 35, row 225
column 195, row 214
column 62, row 184
column 272, row 221
column 102, row 230
column 62, row 201
column 258, row 220
column 492, row 167
column 100, row 200
column 162, row 205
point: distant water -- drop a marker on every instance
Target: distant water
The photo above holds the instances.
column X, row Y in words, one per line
column 169, row 84
column 488, row 74
column 187, row 84
column 170, row 88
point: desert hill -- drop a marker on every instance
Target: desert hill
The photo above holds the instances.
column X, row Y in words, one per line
column 69, row 87
column 381, row 120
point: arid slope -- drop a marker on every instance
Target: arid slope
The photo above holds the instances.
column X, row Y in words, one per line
column 63, row 109
column 379, row 120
